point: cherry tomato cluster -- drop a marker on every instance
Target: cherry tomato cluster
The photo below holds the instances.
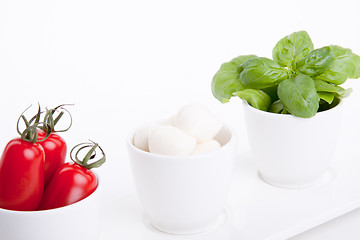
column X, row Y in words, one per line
column 33, row 172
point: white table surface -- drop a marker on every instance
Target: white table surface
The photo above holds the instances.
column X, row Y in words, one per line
column 344, row 227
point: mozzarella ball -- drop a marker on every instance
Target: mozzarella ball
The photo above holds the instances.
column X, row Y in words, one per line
column 169, row 122
column 142, row 135
column 205, row 147
column 198, row 121
column 168, row 140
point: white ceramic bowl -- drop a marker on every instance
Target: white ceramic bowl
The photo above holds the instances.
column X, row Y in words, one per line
column 289, row 151
column 184, row 194
column 73, row 222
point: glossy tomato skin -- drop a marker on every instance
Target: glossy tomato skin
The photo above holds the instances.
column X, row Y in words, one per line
column 70, row 183
column 55, row 154
column 21, row 175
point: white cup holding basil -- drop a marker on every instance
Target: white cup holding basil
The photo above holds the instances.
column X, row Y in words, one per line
column 292, row 106
column 292, row 152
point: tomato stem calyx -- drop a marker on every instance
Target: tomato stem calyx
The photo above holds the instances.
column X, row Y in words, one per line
column 31, row 134
column 50, row 120
column 90, row 155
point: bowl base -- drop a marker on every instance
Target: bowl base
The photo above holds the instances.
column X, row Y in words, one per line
column 328, row 176
column 221, row 220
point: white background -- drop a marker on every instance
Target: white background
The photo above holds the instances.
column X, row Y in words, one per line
column 124, row 63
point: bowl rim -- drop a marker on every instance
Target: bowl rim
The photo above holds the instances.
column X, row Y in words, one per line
column 336, row 108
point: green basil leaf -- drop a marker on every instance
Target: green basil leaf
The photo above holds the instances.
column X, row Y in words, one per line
column 284, row 111
column 292, row 48
column 261, row 72
column 322, row 86
column 272, row 92
column 226, row 80
column 345, row 93
column 276, row 107
column 346, row 65
column 298, row 94
column 235, row 63
column 256, row 98
column 324, row 105
column 224, row 84
column 316, row 62
column 327, row 96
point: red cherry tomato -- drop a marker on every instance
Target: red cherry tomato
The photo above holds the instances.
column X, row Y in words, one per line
column 55, row 154
column 71, row 183
column 21, row 175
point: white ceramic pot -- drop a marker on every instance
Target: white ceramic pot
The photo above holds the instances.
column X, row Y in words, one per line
column 184, row 194
column 289, row 151
column 73, row 222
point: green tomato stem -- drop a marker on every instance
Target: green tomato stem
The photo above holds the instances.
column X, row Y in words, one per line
column 90, row 155
column 31, row 134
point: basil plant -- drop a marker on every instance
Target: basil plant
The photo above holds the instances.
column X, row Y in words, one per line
column 299, row 80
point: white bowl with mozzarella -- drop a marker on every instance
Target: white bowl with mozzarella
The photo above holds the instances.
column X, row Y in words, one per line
column 183, row 189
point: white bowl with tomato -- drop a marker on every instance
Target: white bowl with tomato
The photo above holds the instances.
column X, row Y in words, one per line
column 41, row 196
column 79, row 220
column 68, row 207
